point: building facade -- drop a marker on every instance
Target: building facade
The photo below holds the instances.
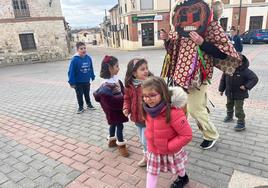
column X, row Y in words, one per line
column 252, row 14
column 88, row 36
column 32, row 31
column 136, row 24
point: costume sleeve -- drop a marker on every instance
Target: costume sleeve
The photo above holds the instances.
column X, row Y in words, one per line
column 127, row 100
column 184, row 133
column 212, row 50
column 222, row 85
column 252, row 79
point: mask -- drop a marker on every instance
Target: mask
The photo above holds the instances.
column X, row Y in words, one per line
column 191, row 15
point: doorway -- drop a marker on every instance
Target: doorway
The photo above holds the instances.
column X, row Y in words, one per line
column 147, row 32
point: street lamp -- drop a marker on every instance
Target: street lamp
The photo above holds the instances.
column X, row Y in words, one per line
column 239, row 15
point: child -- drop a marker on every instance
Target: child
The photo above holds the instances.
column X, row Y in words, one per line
column 167, row 131
column 80, row 72
column 236, row 89
column 110, row 96
column 137, row 72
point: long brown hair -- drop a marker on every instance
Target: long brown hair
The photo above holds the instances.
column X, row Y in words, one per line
column 132, row 66
column 159, row 85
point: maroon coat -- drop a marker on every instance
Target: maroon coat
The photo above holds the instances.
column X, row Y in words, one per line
column 112, row 104
column 163, row 138
column 133, row 103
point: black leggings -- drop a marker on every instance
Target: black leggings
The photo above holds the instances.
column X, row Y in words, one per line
column 119, row 131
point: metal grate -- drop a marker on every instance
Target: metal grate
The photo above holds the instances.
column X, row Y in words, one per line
column 21, row 8
column 27, row 41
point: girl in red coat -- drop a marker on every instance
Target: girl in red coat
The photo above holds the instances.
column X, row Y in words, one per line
column 110, row 96
column 137, row 72
column 167, row 131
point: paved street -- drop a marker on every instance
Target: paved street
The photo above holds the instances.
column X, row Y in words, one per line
column 44, row 143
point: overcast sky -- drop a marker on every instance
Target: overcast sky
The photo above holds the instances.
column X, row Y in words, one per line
column 85, row 13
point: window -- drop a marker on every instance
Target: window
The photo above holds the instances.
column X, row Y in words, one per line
column 255, row 22
column 125, row 8
column 21, row 8
column 27, row 41
column 223, row 22
column 147, row 5
column 127, row 34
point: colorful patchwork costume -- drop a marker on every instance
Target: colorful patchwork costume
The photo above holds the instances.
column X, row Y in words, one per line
column 191, row 66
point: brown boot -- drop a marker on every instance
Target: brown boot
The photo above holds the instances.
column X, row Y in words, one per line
column 111, row 141
column 122, row 148
column 143, row 161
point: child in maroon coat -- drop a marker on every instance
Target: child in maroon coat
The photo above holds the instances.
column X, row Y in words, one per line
column 110, row 96
column 167, row 131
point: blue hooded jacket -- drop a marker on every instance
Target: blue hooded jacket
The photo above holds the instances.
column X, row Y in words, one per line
column 80, row 70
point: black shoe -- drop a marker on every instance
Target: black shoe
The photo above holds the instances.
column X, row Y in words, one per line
column 228, row 119
column 207, row 144
column 90, row 107
column 80, row 110
column 180, row 182
column 240, row 127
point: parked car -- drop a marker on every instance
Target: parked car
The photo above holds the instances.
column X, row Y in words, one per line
column 254, row 36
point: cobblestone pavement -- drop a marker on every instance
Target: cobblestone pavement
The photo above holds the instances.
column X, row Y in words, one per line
column 43, row 143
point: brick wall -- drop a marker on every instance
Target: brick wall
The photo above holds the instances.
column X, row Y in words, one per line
column 164, row 24
column 133, row 30
column 242, row 18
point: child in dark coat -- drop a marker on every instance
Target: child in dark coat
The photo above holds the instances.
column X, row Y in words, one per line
column 236, row 89
column 111, row 97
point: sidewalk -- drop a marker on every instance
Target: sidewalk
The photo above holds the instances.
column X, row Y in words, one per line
column 43, row 143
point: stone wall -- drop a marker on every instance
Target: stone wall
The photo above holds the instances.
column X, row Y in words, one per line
column 50, row 39
column 38, row 8
column 45, row 23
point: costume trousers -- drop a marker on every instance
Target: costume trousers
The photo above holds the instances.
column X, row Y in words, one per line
column 197, row 108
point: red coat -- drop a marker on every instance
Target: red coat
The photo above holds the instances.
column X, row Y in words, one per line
column 163, row 138
column 133, row 103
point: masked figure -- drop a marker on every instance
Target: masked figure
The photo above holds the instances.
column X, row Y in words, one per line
column 190, row 65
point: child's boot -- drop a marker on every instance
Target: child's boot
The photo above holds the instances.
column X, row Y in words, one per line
column 111, row 141
column 240, row 126
column 180, row 182
column 122, row 148
column 228, row 118
column 143, row 161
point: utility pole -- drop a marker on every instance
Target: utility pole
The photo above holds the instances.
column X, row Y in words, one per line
column 239, row 17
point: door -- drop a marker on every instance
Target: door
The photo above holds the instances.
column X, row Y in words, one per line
column 147, row 32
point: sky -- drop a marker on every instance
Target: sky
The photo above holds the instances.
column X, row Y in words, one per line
column 85, row 13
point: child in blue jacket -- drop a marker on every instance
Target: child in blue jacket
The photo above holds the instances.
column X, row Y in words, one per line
column 80, row 73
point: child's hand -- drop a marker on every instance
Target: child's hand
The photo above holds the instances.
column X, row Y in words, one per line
column 221, row 93
column 125, row 112
column 196, row 38
column 243, row 87
column 73, row 86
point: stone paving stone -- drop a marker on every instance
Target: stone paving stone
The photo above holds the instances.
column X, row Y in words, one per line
column 3, row 178
column 52, row 108
column 10, row 184
column 29, row 171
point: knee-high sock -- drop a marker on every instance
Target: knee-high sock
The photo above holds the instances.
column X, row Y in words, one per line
column 151, row 181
